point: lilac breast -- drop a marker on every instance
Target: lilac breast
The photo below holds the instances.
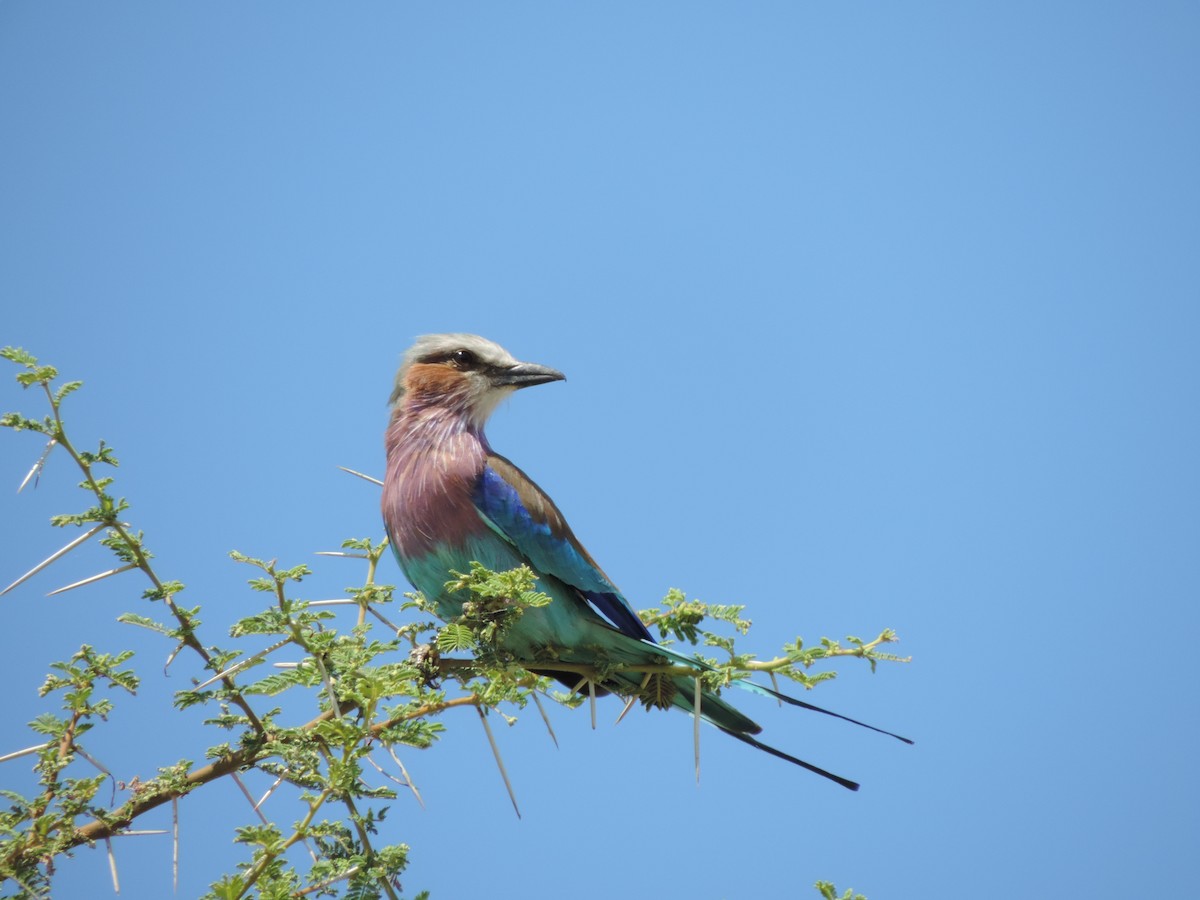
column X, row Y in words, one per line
column 433, row 463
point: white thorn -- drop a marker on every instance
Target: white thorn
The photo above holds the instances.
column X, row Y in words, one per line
column 19, row 753
column 37, row 466
column 696, row 727
column 775, row 684
column 362, row 476
column 408, row 778
column 342, row 554
column 333, row 700
column 349, row 873
column 67, row 549
column 242, row 785
column 406, row 781
column 628, row 706
column 29, row 890
column 100, row 577
column 499, row 761
column 238, row 666
column 101, row 767
column 175, row 843
column 171, row 658
column 545, row 718
column 592, row 701
column 270, row 791
column 629, row 703
column 380, row 617
column 112, row 866
column 98, row 765
column 140, row 833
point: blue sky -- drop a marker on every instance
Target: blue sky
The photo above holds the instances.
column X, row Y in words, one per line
column 873, row 315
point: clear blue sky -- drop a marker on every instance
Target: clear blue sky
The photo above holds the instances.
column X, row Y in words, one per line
column 874, row 315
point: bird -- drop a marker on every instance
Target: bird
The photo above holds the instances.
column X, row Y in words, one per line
column 449, row 500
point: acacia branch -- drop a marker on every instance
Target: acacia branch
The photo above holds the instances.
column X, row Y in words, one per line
column 140, row 559
column 122, row 817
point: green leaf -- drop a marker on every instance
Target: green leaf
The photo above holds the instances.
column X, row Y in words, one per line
column 659, row 692
column 67, row 388
column 18, row 422
column 19, row 356
column 455, row 637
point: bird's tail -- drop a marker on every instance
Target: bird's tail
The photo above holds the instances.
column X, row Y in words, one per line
column 746, row 739
column 756, row 688
column 680, row 692
column 719, row 713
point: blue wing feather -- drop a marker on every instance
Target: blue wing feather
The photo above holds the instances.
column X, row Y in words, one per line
column 520, row 512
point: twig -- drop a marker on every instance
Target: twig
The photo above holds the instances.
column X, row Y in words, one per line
column 258, row 812
column 349, row 873
column 138, row 553
column 333, row 700
column 32, row 892
column 420, row 712
column 297, row 835
column 365, row 840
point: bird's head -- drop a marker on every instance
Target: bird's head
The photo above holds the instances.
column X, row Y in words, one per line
column 463, row 372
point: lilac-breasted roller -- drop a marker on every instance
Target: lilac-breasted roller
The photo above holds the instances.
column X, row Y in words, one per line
column 449, row 499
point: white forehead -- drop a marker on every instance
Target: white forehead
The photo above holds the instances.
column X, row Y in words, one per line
column 432, row 345
column 436, row 344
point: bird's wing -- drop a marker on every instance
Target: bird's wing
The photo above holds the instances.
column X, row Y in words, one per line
column 520, row 512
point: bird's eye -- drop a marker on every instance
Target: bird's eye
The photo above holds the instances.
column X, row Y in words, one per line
column 462, row 359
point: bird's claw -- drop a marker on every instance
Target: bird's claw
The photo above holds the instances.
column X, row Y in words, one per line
column 425, row 657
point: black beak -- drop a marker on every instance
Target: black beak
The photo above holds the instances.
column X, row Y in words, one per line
column 526, row 375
